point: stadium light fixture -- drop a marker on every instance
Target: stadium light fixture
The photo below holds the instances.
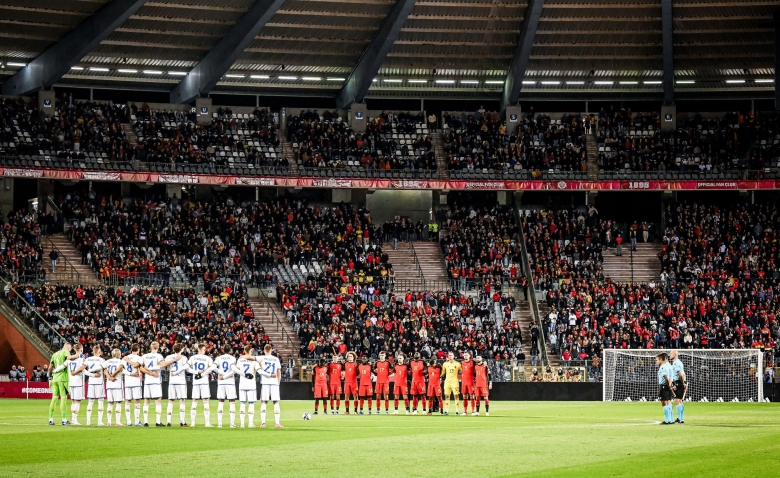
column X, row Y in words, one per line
column 392, row 81
column 287, row 77
column 417, row 81
column 604, row 83
column 653, row 82
column 629, row 82
column 77, row 68
column 469, row 82
column 575, row 82
column 763, row 80
column 234, row 76
column 97, row 68
column 127, row 71
column 551, row 82
column 445, row 82
column 335, row 79
column 685, row 82
column 177, row 73
column 13, row 63
column 494, row 82
column 311, row 78
column 153, row 72
column 735, row 81
column 260, row 77
column 528, row 82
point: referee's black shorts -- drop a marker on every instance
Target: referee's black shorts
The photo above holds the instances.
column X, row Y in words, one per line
column 665, row 393
column 679, row 389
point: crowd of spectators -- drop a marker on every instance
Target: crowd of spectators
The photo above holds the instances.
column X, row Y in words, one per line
column 390, row 142
column 480, row 142
column 21, row 250
column 158, row 241
column 718, row 273
column 117, row 318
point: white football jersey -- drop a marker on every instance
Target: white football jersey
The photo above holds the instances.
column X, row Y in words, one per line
column 244, row 367
column 224, row 364
column 151, row 362
column 201, row 364
column 112, row 365
column 177, row 369
column 269, row 364
column 95, row 366
column 131, row 381
column 73, row 365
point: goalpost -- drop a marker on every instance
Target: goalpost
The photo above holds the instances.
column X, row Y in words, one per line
column 713, row 375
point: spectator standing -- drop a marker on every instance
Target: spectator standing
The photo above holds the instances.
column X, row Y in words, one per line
column 53, row 255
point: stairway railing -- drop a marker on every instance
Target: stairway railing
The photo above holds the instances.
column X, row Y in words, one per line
column 532, row 296
column 70, row 269
column 279, row 325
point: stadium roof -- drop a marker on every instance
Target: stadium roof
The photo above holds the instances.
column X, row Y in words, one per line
column 445, row 48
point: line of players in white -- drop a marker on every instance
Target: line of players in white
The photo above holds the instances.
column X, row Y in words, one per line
column 134, row 377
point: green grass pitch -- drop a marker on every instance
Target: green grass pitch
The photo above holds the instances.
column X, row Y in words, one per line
column 576, row 439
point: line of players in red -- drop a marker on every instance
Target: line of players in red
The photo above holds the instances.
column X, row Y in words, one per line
column 358, row 384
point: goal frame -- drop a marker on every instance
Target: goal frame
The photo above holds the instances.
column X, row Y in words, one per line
column 759, row 364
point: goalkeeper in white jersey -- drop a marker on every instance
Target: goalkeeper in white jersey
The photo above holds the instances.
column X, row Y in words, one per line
column 226, row 385
column 177, row 383
column 270, row 391
column 247, row 369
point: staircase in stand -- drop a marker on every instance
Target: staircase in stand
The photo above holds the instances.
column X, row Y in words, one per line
column 288, row 154
column 592, row 149
column 431, row 261
column 524, row 316
column 646, row 265
column 407, row 275
column 130, row 135
column 441, row 158
column 68, row 262
column 265, row 317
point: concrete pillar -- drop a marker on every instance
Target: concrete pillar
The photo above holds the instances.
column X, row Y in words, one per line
column 503, row 197
column 46, row 100
column 518, row 197
column 512, row 119
column 45, row 188
column 124, row 189
column 203, row 108
column 6, row 198
column 590, row 197
column 342, row 195
column 668, row 118
column 357, row 114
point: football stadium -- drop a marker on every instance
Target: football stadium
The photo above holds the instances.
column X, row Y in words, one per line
column 390, row 238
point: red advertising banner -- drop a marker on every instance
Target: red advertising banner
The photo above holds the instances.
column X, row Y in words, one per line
column 336, row 183
column 25, row 390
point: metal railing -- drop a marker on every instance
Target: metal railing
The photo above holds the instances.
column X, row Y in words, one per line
column 278, row 322
column 70, row 274
column 532, row 296
column 693, row 175
column 39, row 329
column 416, row 262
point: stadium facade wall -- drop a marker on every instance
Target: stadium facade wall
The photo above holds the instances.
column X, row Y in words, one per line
column 15, row 349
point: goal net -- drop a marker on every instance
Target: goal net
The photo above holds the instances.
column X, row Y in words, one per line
column 713, row 375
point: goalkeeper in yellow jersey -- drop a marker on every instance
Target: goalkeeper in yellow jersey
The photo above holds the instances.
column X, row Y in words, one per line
column 451, row 371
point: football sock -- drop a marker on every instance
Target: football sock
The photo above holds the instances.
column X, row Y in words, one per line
column 251, row 412
column 52, row 405
column 119, row 413
column 75, row 411
column 447, row 405
column 316, row 405
column 100, row 411
column 423, row 403
column 414, row 402
column 331, row 403
column 477, row 409
column 406, row 403
column 158, row 411
column 396, row 403
column 487, row 406
column 338, row 404
column 182, row 411
column 220, row 411
column 193, row 412
column 232, row 414
column 262, row 413
column 456, row 405
column 387, row 404
column 137, row 413
column 681, row 412
column 207, row 412
column 127, row 412
column 110, row 412
column 169, row 411
column 355, row 405
column 361, row 404
column 90, row 403
column 277, row 413
column 241, row 413
column 472, row 404
column 146, row 413
column 63, row 408
column 369, row 405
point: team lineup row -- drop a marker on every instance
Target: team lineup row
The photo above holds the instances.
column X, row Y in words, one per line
column 134, row 377
column 366, row 381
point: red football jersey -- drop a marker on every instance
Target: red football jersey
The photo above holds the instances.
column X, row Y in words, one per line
column 483, row 375
column 335, row 372
column 365, row 374
column 418, row 367
column 382, row 372
column 434, row 374
column 350, row 372
column 321, row 375
column 467, row 372
column 400, row 373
